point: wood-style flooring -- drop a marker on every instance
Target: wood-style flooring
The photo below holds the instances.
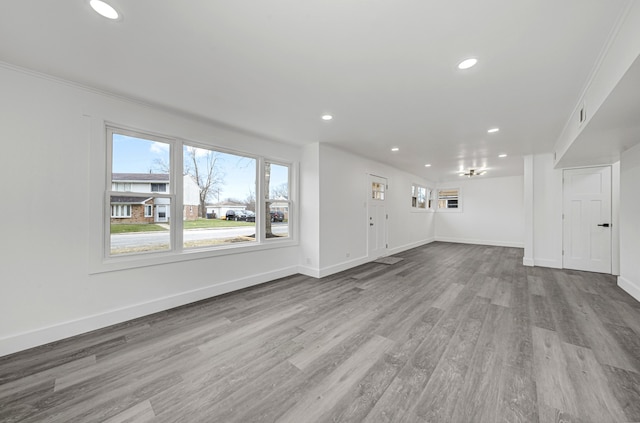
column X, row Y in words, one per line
column 452, row 333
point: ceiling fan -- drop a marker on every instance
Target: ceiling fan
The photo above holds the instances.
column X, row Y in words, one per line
column 474, row 172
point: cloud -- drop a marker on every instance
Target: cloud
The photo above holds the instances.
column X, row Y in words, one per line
column 159, row 148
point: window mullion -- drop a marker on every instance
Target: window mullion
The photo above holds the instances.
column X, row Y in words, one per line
column 261, row 208
column 177, row 168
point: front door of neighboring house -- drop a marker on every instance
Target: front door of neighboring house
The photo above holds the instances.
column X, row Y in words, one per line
column 377, row 217
column 162, row 213
column 587, row 219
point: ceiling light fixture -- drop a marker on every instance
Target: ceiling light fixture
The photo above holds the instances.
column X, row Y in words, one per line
column 467, row 63
column 493, row 130
column 395, row 149
column 104, row 9
column 427, row 165
column 327, row 117
column 474, row 172
column 502, row 155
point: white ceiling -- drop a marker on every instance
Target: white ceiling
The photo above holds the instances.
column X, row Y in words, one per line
column 385, row 69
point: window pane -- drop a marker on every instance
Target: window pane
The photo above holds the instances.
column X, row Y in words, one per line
column 139, row 224
column 278, row 224
column 276, row 181
column 377, row 191
column 217, row 185
column 138, row 156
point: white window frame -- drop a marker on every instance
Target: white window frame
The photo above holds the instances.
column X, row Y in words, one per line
column 101, row 261
column 449, row 210
column 415, row 197
column 268, row 199
column 148, row 207
column 119, row 208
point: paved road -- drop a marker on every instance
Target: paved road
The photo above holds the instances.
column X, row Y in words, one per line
column 138, row 239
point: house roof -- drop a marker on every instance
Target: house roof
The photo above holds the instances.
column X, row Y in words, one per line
column 126, row 199
column 140, row 177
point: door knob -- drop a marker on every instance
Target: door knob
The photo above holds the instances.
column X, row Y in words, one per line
column 605, row 225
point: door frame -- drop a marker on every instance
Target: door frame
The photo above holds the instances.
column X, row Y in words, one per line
column 614, row 207
column 385, row 220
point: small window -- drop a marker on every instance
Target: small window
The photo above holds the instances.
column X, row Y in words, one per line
column 377, row 191
column 148, row 210
column 448, row 199
column 158, row 187
column 418, row 197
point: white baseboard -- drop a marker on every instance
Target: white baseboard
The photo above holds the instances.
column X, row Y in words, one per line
column 555, row 264
column 629, row 287
column 314, row 272
column 26, row 340
column 480, row 242
column 528, row 261
column 330, row 270
column 346, row 265
column 406, row 247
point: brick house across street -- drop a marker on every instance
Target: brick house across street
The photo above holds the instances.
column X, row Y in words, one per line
column 134, row 206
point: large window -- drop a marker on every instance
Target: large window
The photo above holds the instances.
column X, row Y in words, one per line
column 165, row 195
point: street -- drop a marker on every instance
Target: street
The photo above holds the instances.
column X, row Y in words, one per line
column 149, row 239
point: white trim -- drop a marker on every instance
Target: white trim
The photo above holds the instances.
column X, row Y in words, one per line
column 396, row 250
column 554, row 264
column 629, row 287
column 528, row 261
column 34, row 338
column 326, row 271
column 480, row 242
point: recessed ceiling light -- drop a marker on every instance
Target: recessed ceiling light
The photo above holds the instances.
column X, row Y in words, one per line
column 502, row 155
column 327, row 117
column 467, row 63
column 104, row 9
column 492, row 130
column 427, row 165
column 395, row 149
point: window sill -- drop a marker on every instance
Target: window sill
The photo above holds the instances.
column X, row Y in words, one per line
column 113, row 264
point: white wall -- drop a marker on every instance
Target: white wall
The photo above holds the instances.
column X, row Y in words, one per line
column 48, row 214
column 622, row 51
column 344, row 190
column 492, row 212
column 543, row 213
column 629, row 278
column 309, row 205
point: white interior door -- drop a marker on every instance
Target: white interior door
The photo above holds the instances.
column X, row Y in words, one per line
column 587, row 219
column 377, row 217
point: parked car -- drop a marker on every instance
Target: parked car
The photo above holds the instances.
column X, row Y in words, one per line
column 277, row 216
column 241, row 215
column 251, row 216
column 231, row 215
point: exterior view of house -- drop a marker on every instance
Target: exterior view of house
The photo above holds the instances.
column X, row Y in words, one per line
column 151, row 209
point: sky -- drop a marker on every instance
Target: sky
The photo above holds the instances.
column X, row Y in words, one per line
column 136, row 155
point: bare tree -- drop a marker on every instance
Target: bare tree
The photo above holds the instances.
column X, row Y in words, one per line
column 250, row 201
column 201, row 165
column 280, row 191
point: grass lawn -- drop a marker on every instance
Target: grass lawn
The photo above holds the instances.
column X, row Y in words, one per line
column 213, row 223
column 121, row 228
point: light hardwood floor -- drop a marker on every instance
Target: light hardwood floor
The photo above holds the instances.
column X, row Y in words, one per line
column 452, row 333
